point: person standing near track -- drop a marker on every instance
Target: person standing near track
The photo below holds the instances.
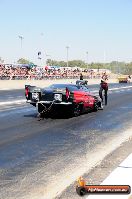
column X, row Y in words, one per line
column 104, row 87
column 81, row 76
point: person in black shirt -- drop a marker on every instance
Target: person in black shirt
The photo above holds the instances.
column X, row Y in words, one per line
column 81, row 76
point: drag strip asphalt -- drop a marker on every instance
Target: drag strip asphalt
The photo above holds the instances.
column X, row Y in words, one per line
column 34, row 154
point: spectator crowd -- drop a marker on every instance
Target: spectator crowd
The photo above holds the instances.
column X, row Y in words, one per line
column 12, row 72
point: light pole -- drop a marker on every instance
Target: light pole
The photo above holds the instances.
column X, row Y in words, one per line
column 67, row 48
column 21, row 38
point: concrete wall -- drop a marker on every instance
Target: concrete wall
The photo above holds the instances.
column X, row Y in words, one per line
column 19, row 84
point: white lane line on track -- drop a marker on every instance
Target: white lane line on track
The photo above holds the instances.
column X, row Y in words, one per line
column 113, row 89
column 124, row 87
column 12, row 102
column 95, row 91
column 10, row 89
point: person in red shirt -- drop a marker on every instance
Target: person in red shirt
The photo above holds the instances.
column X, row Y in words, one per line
column 103, row 87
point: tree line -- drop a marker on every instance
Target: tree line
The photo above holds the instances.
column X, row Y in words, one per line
column 114, row 66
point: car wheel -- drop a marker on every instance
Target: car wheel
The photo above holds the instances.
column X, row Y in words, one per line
column 96, row 107
column 76, row 110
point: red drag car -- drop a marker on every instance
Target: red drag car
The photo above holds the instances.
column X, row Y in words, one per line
column 65, row 98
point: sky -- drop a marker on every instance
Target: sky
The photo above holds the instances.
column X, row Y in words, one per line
column 103, row 28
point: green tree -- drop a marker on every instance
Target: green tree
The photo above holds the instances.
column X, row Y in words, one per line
column 24, row 61
column 77, row 63
column 114, row 66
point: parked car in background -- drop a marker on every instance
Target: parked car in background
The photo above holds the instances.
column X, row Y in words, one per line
column 123, row 79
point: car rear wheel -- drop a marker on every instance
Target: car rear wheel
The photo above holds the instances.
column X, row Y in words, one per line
column 96, row 107
column 76, row 110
